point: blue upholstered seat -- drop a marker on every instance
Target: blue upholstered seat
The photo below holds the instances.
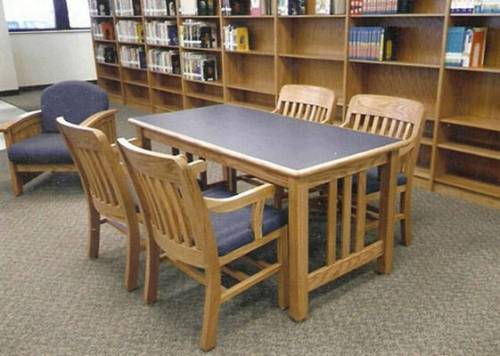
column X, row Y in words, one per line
column 46, row 148
column 234, row 230
column 373, row 181
column 73, row 100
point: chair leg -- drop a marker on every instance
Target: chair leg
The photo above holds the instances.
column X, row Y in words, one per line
column 94, row 232
column 133, row 255
column 16, row 180
column 282, row 251
column 152, row 272
column 211, row 310
column 406, row 225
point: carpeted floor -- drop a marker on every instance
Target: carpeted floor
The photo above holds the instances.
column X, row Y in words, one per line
column 442, row 299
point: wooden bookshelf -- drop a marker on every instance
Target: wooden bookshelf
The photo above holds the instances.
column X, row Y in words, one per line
column 460, row 149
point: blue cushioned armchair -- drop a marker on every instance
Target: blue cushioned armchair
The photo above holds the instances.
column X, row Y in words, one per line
column 34, row 144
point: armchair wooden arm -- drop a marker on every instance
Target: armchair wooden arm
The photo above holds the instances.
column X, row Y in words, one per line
column 104, row 121
column 252, row 196
column 25, row 126
column 256, row 197
column 197, row 167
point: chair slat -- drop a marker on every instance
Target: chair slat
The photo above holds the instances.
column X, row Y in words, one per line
column 359, row 242
column 357, row 121
column 346, row 216
column 399, row 131
column 374, row 126
column 332, row 222
column 392, row 128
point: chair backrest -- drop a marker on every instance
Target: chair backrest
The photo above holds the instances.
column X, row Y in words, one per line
column 388, row 116
column 172, row 205
column 102, row 175
column 73, row 100
column 306, row 102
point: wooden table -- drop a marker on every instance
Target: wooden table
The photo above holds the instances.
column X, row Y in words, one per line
column 297, row 155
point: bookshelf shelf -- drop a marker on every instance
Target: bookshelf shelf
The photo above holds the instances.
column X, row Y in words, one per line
column 422, row 172
column 251, row 52
column 161, row 46
column 108, row 64
column 469, row 149
column 472, row 121
column 426, row 141
column 199, row 17
column 397, row 63
column 262, row 89
column 217, row 49
column 168, row 90
column 126, row 43
column 104, row 41
column 97, row 17
column 206, row 97
column 476, row 15
column 469, row 184
column 336, row 57
column 478, row 69
column 248, row 17
column 217, row 83
column 410, row 15
column 139, row 84
column 312, row 17
column 460, row 150
column 251, row 105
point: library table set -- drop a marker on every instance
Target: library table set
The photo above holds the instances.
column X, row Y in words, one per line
column 261, row 144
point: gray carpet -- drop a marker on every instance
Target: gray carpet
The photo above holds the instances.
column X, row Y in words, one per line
column 442, row 299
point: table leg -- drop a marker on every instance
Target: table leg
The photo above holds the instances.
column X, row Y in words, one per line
column 143, row 142
column 298, row 221
column 388, row 186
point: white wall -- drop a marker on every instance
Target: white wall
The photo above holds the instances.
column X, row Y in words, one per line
column 48, row 57
column 8, row 76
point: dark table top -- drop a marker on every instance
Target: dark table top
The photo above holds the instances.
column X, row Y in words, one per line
column 289, row 143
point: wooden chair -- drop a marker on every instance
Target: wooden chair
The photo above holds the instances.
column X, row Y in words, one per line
column 195, row 232
column 393, row 117
column 306, row 102
column 303, row 102
column 107, row 191
column 33, row 142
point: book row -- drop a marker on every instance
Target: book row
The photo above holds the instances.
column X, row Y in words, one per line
column 103, row 30
column 199, row 66
column 291, row 7
column 198, row 34
column 159, row 8
column 99, row 8
column 373, row 43
column 162, row 33
column 329, row 7
column 106, row 54
column 197, row 8
column 236, row 38
column 164, row 61
column 127, row 7
column 466, row 46
column 247, row 7
column 363, row 7
column 133, row 57
column 129, row 31
column 474, row 6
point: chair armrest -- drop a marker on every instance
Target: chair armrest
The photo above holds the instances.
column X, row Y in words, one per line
column 256, row 197
column 23, row 127
column 197, row 167
column 104, row 121
column 250, row 197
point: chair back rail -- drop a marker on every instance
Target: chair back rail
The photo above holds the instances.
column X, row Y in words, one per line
column 172, row 204
column 306, row 102
column 388, row 116
column 101, row 173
